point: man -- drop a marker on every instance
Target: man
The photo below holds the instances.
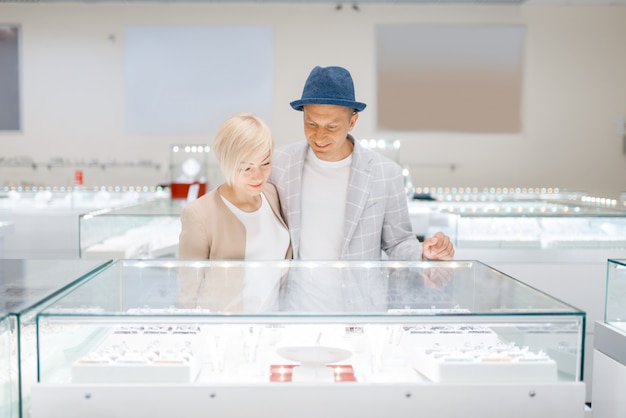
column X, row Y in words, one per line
column 340, row 200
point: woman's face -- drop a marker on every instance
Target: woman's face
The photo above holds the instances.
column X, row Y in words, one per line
column 326, row 128
column 253, row 174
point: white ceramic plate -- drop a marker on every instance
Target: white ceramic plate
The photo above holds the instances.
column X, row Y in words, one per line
column 318, row 354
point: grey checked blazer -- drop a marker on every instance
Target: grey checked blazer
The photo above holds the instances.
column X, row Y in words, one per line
column 377, row 216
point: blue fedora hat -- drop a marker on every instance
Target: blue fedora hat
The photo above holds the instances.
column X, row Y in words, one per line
column 329, row 85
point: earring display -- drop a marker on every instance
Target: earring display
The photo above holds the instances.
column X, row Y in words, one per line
column 448, row 335
column 469, row 362
column 284, row 372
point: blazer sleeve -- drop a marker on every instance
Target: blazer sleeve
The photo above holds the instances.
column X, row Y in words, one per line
column 398, row 239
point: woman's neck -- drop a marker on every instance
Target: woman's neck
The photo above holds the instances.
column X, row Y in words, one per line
column 243, row 201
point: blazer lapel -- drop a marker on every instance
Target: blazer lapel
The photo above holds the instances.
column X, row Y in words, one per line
column 294, row 193
column 358, row 186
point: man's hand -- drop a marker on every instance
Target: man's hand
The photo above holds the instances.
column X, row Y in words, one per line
column 437, row 277
column 437, row 247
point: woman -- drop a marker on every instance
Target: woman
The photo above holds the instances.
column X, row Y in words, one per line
column 239, row 219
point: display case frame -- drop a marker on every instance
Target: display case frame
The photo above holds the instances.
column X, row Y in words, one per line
column 615, row 308
column 9, row 392
column 26, row 287
column 609, row 375
column 253, row 324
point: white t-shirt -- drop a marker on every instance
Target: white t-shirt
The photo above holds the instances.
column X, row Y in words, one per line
column 266, row 237
column 324, row 195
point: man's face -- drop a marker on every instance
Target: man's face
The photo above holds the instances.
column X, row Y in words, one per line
column 326, row 128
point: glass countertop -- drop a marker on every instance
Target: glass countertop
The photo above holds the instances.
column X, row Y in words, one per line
column 238, row 322
column 26, row 283
column 158, row 207
column 305, row 288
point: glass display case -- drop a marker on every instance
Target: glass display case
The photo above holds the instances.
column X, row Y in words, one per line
column 199, row 338
column 145, row 230
column 9, row 394
column 554, row 240
column 79, row 198
column 45, row 220
column 522, row 221
column 609, row 374
column 27, row 286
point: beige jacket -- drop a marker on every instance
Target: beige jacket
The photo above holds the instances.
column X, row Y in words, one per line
column 211, row 231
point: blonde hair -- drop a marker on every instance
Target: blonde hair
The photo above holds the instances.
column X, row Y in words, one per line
column 241, row 137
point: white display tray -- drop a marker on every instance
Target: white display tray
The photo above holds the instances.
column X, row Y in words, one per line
column 148, row 357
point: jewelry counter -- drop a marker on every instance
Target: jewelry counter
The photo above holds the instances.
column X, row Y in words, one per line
column 44, row 220
column 308, row 339
column 555, row 241
column 27, row 286
column 144, row 230
column 609, row 355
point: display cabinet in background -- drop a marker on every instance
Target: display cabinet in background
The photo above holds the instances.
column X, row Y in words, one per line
column 78, row 198
column 548, row 219
column 145, row 230
column 609, row 374
column 24, row 172
column 6, row 228
column 554, row 240
column 191, row 170
column 45, row 220
column 308, row 339
column 26, row 286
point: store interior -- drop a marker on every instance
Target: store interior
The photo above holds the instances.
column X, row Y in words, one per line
column 75, row 104
column 93, row 179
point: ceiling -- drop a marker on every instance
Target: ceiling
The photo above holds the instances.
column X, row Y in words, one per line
column 357, row 2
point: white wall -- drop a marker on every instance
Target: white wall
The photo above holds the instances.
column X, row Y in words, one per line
column 574, row 89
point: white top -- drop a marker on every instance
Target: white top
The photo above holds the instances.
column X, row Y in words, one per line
column 266, row 238
column 324, row 196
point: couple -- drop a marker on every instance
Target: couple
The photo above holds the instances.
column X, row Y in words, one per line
column 339, row 200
